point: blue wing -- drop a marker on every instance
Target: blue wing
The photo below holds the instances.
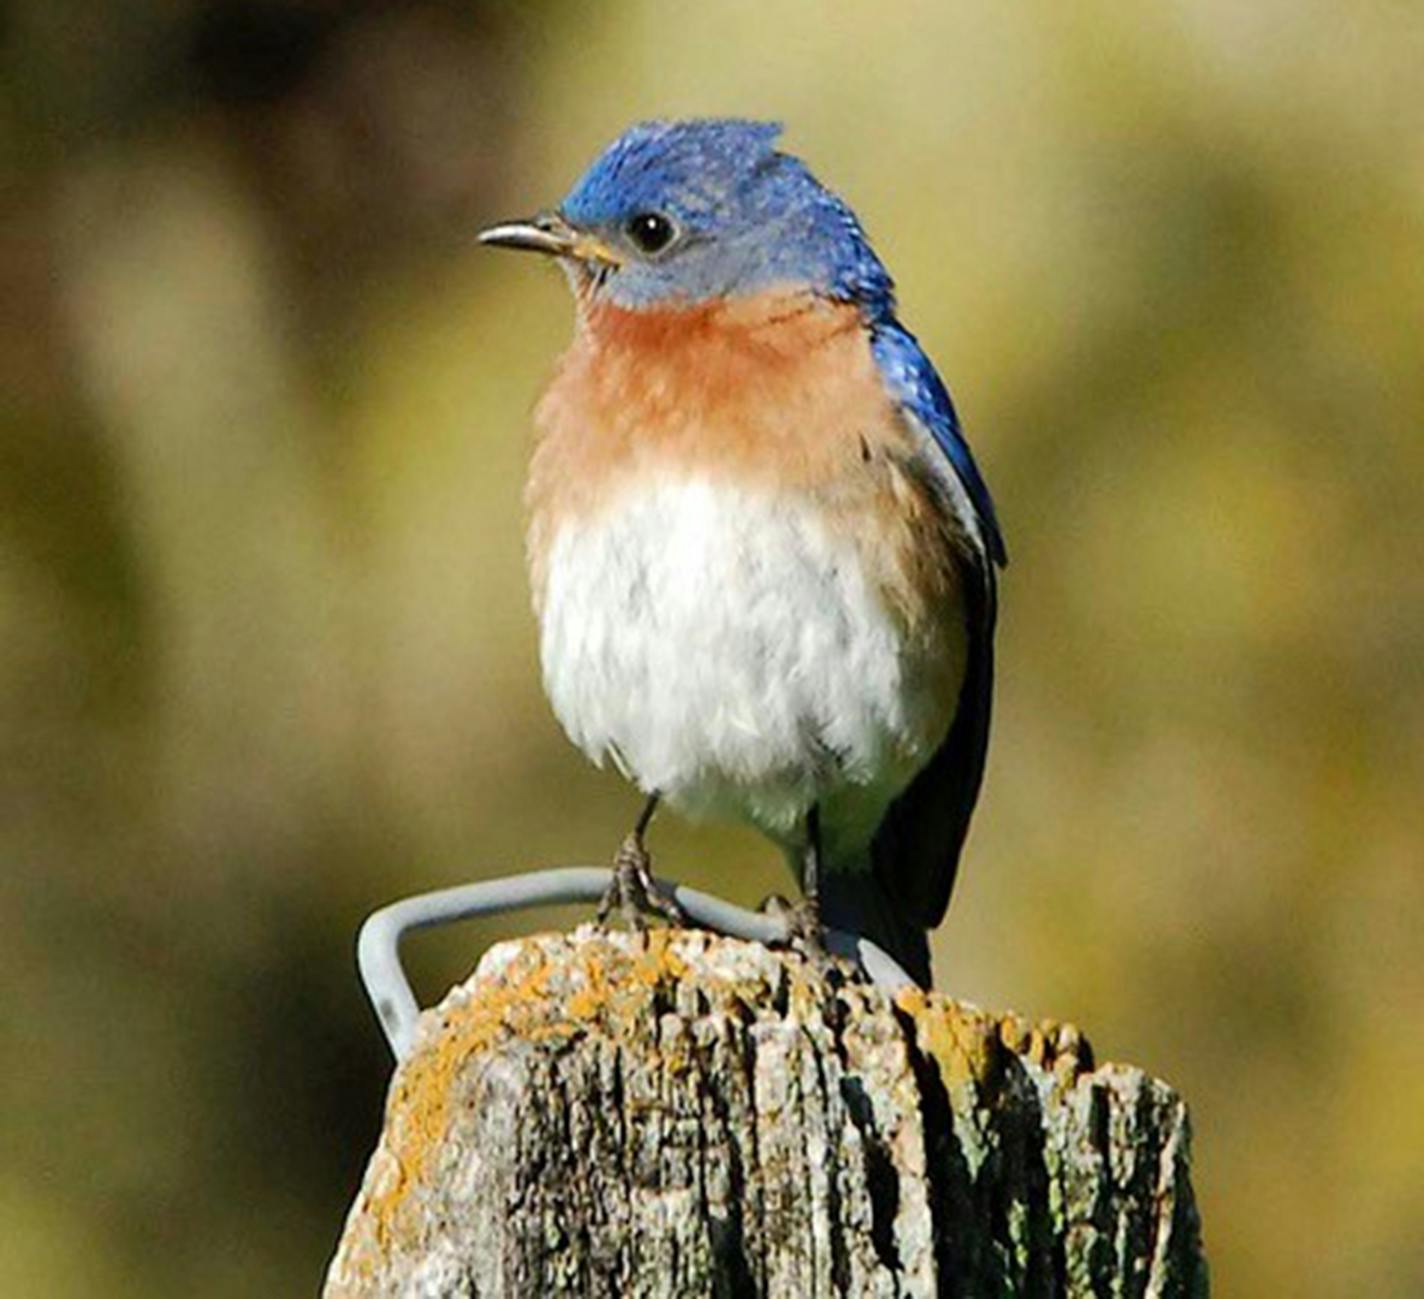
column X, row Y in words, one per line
column 917, row 846
column 915, row 385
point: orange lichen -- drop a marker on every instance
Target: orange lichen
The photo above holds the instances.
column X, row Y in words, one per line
column 418, row 1106
column 530, row 999
column 962, row 1040
column 968, row 1044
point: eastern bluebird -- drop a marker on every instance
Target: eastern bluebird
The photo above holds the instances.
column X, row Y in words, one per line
column 762, row 556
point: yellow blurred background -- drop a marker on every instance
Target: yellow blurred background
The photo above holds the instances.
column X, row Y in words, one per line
column 266, row 659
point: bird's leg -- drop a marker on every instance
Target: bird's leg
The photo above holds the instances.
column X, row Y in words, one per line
column 634, row 891
column 803, row 918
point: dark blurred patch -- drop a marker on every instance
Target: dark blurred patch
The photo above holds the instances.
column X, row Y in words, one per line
column 306, row 1071
column 245, row 52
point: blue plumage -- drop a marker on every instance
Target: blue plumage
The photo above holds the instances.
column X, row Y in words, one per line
column 916, row 386
column 748, row 217
column 687, row 166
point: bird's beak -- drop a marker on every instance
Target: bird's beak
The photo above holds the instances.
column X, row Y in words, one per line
column 550, row 233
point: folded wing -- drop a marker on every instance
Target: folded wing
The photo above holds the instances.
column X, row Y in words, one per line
column 916, row 849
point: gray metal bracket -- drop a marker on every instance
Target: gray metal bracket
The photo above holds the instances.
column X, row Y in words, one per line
column 389, row 990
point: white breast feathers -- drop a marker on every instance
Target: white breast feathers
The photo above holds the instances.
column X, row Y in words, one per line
column 726, row 647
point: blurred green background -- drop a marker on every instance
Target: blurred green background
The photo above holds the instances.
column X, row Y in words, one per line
column 266, row 659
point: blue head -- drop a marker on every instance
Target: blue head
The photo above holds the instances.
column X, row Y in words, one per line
column 683, row 212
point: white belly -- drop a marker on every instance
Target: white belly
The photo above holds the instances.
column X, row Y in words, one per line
column 728, row 650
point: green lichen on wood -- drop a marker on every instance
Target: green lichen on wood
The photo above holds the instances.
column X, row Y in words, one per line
column 684, row 1114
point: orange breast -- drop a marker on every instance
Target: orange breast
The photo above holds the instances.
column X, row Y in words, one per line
column 778, row 392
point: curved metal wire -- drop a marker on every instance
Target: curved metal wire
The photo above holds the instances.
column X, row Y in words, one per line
column 389, row 990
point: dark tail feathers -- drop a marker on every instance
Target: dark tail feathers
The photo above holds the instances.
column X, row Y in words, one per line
column 857, row 902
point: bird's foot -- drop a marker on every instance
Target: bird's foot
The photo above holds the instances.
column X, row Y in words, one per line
column 635, row 892
column 804, row 931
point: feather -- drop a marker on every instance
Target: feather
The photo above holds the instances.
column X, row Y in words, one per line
column 916, row 849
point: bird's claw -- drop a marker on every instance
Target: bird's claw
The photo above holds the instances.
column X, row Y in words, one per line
column 635, row 892
column 804, row 931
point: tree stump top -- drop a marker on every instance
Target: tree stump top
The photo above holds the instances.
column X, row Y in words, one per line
column 680, row 1113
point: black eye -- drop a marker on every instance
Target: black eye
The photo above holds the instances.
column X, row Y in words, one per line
column 650, row 231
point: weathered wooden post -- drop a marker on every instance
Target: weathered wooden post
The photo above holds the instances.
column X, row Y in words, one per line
column 684, row 1114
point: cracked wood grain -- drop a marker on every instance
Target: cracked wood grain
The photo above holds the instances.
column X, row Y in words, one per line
column 684, row 1114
